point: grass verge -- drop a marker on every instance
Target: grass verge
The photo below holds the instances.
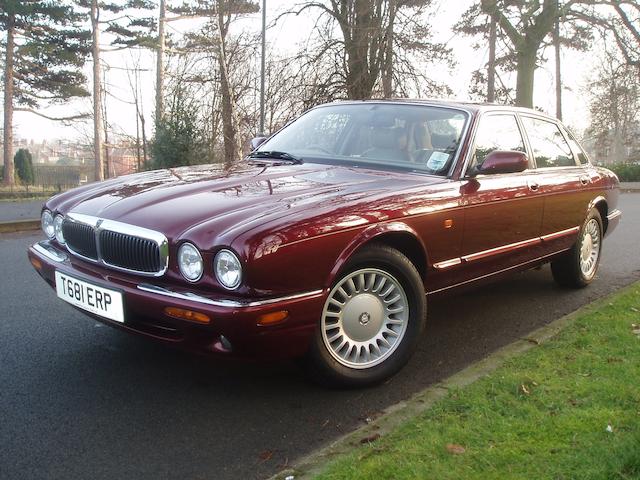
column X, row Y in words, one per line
column 568, row 409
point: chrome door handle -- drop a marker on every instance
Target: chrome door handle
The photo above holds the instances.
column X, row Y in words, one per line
column 584, row 180
column 533, row 186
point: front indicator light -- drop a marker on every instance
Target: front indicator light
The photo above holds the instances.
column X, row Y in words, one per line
column 37, row 264
column 184, row 314
column 273, row 318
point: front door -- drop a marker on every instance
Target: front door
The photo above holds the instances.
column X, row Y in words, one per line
column 503, row 212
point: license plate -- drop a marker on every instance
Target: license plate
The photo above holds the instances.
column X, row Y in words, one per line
column 92, row 298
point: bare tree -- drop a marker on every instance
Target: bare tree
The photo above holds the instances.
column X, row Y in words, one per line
column 526, row 29
column 370, row 47
column 614, row 105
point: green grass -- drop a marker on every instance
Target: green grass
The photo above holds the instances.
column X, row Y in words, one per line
column 541, row 415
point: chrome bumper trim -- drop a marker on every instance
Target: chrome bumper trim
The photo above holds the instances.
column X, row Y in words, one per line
column 614, row 214
column 145, row 287
column 44, row 249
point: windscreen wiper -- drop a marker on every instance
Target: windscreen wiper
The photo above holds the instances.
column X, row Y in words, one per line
column 274, row 154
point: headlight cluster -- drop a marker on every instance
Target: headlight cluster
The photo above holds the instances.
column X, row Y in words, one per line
column 228, row 269
column 52, row 227
column 190, row 262
column 226, row 266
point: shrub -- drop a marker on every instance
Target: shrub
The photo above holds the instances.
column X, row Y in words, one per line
column 24, row 166
column 627, row 172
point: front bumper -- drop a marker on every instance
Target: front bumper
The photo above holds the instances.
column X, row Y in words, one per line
column 233, row 329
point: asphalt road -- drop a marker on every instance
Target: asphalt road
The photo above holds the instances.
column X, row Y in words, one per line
column 81, row 400
column 20, row 210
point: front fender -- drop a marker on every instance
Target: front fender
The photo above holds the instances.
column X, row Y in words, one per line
column 368, row 235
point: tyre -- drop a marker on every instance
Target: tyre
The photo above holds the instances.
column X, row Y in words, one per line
column 578, row 267
column 371, row 321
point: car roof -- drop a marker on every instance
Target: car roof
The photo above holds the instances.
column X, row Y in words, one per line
column 472, row 107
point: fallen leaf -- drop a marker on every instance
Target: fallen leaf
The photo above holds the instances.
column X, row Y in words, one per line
column 532, row 340
column 524, row 389
column 266, row 455
column 633, row 309
column 370, row 438
column 455, row 449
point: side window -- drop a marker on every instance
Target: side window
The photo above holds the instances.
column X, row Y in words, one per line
column 496, row 132
column 549, row 145
column 583, row 159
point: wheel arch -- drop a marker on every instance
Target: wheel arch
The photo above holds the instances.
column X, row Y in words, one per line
column 600, row 203
column 397, row 235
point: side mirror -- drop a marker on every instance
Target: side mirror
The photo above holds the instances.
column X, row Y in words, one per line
column 504, row 161
column 256, row 142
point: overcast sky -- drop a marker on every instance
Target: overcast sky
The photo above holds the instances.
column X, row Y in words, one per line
column 286, row 36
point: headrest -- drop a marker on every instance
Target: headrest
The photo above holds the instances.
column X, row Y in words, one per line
column 443, row 141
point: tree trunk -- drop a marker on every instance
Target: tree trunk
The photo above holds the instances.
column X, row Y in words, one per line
column 387, row 72
column 491, row 67
column 97, row 93
column 8, row 104
column 556, row 44
column 526, row 69
column 229, row 126
column 105, row 126
column 160, row 63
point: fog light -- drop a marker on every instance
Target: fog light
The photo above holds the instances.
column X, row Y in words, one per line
column 190, row 315
column 273, row 318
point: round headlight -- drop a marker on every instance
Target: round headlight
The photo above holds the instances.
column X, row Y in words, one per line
column 57, row 228
column 47, row 224
column 228, row 269
column 190, row 262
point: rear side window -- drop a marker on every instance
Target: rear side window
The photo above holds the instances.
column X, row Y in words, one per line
column 550, row 148
column 496, row 132
column 577, row 149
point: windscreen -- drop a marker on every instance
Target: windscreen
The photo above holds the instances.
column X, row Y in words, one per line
column 415, row 137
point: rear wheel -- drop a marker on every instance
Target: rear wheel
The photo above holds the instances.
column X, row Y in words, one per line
column 371, row 320
column 578, row 267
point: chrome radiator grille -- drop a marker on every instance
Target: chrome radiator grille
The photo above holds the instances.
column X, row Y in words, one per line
column 116, row 245
column 133, row 253
column 81, row 238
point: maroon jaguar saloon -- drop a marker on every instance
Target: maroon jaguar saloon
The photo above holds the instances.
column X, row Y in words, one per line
column 326, row 241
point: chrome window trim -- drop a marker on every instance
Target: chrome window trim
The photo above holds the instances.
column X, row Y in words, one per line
column 193, row 297
column 99, row 224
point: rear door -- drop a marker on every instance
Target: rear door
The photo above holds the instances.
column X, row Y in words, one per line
column 563, row 182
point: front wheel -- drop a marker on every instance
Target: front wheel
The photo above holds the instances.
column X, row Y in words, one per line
column 371, row 320
column 578, row 267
